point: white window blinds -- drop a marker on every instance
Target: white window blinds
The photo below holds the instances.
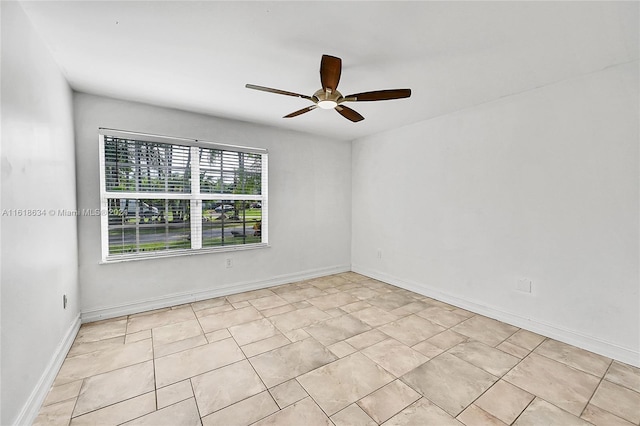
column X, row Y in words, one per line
column 165, row 195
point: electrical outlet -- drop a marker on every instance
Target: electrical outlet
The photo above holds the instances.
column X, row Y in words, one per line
column 228, row 262
column 524, row 285
column 379, row 253
column 64, row 301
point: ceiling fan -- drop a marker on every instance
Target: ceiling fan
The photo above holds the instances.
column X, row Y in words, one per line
column 328, row 97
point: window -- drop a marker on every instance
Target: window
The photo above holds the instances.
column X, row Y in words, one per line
column 167, row 196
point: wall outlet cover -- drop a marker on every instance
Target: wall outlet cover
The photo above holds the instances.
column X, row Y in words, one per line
column 524, row 285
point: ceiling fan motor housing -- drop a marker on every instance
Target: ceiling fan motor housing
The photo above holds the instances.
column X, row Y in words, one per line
column 322, row 95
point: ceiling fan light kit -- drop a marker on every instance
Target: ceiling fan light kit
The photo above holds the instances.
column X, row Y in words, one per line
column 327, row 100
column 328, row 96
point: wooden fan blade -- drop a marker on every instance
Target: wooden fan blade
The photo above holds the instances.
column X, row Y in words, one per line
column 276, row 91
column 379, row 95
column 300, row 111
column 349, row 114
column 330, row 70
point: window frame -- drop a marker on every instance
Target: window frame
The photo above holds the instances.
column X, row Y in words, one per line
column 195, row 197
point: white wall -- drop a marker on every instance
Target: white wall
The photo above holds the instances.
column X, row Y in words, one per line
column 309, row 212
column 540, row 185
column 39, row 254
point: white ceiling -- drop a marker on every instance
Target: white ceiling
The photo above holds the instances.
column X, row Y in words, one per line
column 198, row 56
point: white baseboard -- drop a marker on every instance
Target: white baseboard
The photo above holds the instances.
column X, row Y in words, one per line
column 100, row 313
column 31, row 408
column 590, row 343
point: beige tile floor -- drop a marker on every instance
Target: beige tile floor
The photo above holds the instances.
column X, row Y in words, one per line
column 338, row 350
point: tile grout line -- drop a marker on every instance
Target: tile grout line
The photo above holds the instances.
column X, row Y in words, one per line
column 76, row 401
column 527, row 406
column 596, row 389
column 153, row 357
column 200, row 324
column 153, row 349
column 195, row 400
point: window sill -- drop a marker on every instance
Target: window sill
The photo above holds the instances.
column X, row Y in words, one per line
column 177, row 253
